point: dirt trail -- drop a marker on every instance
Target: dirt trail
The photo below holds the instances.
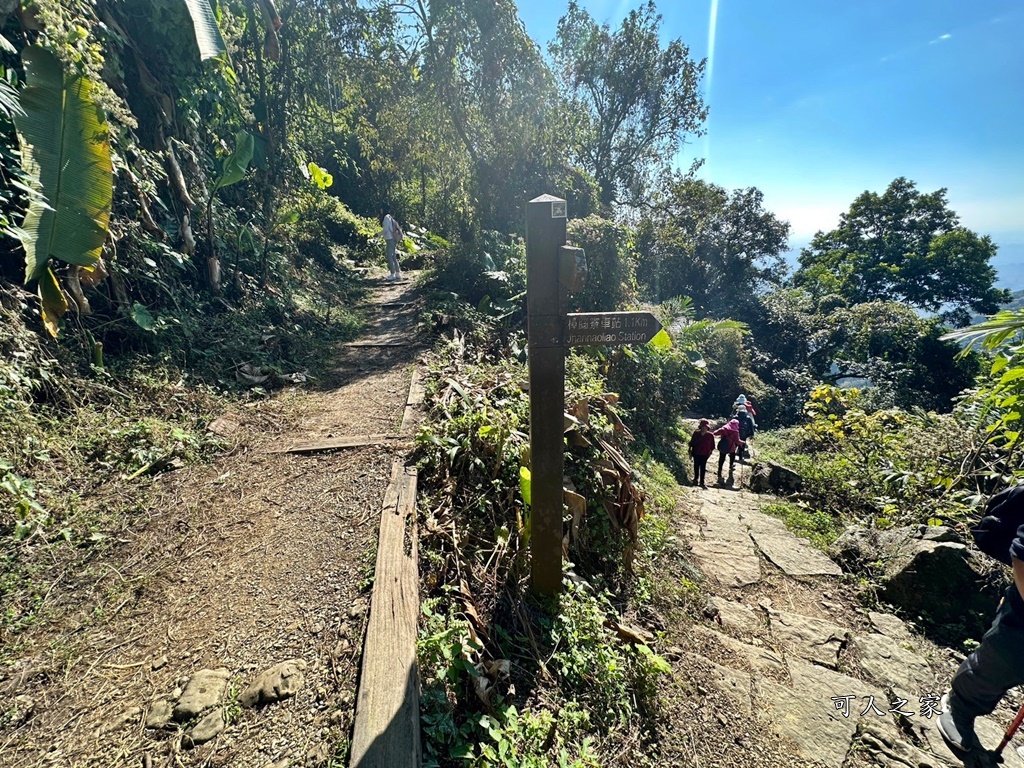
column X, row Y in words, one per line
column 252, row 560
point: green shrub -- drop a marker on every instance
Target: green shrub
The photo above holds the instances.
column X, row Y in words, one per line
column 611, row 265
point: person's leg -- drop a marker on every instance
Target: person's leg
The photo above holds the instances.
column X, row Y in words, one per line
column 392, row 259
column 696, row 470
column 987, row 674
column 703, row 470
column 721, row 463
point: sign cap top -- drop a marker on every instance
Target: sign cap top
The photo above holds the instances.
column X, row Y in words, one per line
column 547, row 199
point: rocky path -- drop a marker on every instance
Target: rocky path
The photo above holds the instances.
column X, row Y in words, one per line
column 839, row 686
column 225, row 628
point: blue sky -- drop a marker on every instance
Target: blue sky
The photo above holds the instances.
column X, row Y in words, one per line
column 814, row 102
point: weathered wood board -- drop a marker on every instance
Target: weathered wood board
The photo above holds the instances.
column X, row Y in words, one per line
column 386, row 733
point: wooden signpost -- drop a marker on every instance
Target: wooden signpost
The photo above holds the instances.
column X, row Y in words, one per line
column 553, row 270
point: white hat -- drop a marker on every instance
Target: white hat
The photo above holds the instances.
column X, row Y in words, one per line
column 741, row 399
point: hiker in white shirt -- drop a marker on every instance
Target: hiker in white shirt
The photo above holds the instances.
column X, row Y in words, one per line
column 392, row 234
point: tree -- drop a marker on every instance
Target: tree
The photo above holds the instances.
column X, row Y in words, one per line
column 901, row 353
column 715, row 246
column 611, row 265
column 631, row 102
column 486, row 80
column 908, row 246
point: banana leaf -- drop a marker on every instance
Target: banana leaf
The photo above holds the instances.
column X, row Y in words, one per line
column 66, row 156
column 204, row 22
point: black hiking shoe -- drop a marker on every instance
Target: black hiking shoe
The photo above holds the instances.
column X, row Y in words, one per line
column 957, row 730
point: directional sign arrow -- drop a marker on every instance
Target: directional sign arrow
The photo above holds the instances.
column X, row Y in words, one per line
column 594, row 328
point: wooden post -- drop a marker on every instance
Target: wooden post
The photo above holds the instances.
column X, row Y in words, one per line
column 545, row 234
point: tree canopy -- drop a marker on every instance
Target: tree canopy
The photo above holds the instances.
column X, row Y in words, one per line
column 712, row 245
column 904, row 245
column 630, row 101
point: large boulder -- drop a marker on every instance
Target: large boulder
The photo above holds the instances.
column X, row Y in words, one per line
column 928, row 573
column 867, row 550
column 769, row 477
column 938, row 580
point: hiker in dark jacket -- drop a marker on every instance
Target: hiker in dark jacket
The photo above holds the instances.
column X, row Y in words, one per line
column 702, row 445
column 997, row 665
column 747, row 428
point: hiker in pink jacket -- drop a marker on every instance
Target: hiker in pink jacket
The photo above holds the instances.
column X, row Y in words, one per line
column 729, row 442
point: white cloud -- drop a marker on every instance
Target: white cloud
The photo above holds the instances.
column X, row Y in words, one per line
column 939, row 39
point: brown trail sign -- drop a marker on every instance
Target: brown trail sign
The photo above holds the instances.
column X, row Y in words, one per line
column 553, row 270
column 589, row 328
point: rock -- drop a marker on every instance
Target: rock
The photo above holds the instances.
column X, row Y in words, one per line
column 887, row 624
column 809, row 715
column 206, row 729
column 224, row 426
column 731, row 683
column 759, row 481
column 279, row 682
column 24, row 708
column 939, row 580
column 731, row 562
column 789, row 552
column 763, row 661
column 769, row 477
column 159, row 663
column 735, row 617
column 820, row 734
column 856, row 548
column 726, row 551
column 938, row 533
column 889, row 664
column 159, row 714
column 890, row 752
column 809, row 638
column 204, row 690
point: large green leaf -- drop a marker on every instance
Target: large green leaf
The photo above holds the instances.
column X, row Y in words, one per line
column 204, row 22
column 236, row 164
column 66, row 156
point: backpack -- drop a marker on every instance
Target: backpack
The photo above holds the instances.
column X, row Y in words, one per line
column 396, row 230
column 997, row 529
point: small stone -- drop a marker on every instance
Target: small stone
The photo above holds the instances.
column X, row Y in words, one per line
column 159, row 714
column 318, row 754
column 25, row 707
column 131, row 714
column 278, row 682
column 206, row 729
column 159, row 663
column 204, row 690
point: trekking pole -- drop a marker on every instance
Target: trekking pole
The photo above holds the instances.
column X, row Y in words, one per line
column 1011, row 730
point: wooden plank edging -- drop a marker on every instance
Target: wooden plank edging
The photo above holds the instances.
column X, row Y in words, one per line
column 386, row 731
column 334, row 443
